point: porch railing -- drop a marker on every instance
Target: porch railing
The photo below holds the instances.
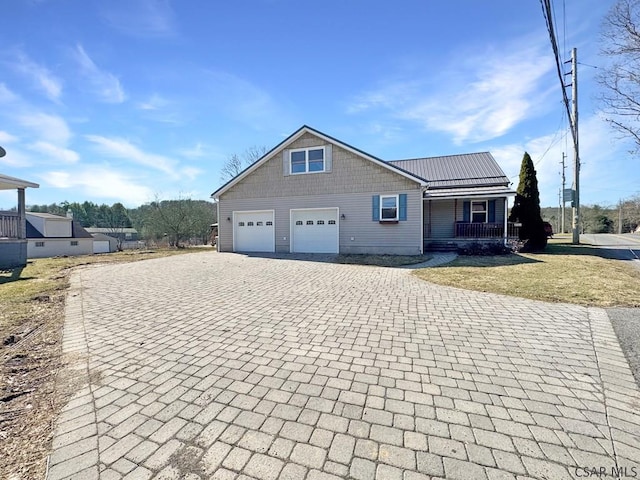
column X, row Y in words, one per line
column 9, row 225
column 485, row 230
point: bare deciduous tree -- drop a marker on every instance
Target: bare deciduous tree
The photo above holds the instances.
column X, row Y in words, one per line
column 620, row 79
column 235, row 164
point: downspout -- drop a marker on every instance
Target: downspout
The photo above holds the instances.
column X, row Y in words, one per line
column 506, row 223
column 22, row 217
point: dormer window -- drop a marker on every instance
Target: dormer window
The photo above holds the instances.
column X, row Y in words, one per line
column 307, row 160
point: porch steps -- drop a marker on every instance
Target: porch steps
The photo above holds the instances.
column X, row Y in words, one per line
column 442, row 246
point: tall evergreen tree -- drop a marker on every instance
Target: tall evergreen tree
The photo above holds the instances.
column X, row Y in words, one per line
column 526, row 208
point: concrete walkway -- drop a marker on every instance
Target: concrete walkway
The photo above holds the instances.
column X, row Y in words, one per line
column 232, row 367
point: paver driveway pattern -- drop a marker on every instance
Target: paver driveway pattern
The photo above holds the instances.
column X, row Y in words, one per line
column 226, row 366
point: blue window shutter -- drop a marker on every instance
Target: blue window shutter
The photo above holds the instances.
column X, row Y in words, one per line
column 403, row 207
column 375, row 213
column 466, row 212
column 492, row 211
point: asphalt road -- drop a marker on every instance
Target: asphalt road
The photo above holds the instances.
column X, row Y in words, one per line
column 624, row 247
column 625, row 321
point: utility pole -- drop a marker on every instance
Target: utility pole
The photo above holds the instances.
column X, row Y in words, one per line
column 620, row 216
column 576, row 150
column 562, row 198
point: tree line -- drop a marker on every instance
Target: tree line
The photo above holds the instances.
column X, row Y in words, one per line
column 177, row 221
column 622, row 218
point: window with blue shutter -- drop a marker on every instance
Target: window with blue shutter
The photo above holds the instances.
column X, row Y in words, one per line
column 466, row 212
column 492, row 211
column 375, row 208
column 389, row 208
column 403, row 207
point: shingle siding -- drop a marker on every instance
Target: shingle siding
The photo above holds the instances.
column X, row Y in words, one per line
column 349, row 173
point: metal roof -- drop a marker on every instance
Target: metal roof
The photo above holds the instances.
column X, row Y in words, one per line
column 9, row 183
column 451, row 171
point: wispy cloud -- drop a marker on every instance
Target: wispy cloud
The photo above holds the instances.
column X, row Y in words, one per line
column 603, row 167
column 40, row 76
column 241, row 99
column 6, row 95
column 141, row 18
column 155, row 102
column 476, row 97
column 50, row 128
column 100, row 182
column 121, row 148
column 60, row 154
column 104, row 84
column 6, row 137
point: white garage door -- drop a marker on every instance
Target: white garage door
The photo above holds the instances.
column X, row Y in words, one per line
column 314, row 230
column 254, row 232
column 100, row 246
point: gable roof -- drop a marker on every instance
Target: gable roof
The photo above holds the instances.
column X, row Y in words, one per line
column 455, row 171
column 77, row 231
column 297, row 134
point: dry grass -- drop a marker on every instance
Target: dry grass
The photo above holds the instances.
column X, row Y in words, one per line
column 31, row 319
column 563, row 273
column 382, row 260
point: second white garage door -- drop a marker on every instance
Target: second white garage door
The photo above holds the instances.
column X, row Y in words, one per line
column 253, row 231
column 314, row 230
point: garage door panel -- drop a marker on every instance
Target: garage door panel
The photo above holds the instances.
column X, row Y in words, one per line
column 315, row 230
column 254, row 231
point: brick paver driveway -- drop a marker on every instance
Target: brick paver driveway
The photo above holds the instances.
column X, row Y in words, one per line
column 226, row 366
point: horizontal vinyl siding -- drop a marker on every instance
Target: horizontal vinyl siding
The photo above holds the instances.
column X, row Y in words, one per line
column 368, row 236
column 442, row 218
column 56, row 247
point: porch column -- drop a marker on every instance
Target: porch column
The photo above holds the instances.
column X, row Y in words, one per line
column 22, row 219
column 506, row 222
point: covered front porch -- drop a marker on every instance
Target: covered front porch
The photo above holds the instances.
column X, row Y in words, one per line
column 451, row 221
column 13, row 225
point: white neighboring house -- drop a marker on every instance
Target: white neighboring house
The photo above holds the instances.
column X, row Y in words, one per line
column 52, row 235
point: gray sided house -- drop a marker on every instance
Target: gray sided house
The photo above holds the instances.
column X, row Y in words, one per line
column 315, row 194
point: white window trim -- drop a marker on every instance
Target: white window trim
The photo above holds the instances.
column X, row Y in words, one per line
column 397, row 197
column 39, row 244
column 306, row 160
column 486, row 210
column 74, row 243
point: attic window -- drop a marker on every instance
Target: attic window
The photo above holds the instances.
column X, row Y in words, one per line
column 307, row 160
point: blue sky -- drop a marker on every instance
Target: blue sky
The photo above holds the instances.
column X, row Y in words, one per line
column 129, row 100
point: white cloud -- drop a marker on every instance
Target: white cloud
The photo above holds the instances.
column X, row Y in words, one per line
column 477, row 96
column 99, row 182
column 106, row 85
column 6, row 95
column 121, row 148
column 50, row 128
column 140, row 18
column 44, row 80
column 6, row 137
column 191, row 173
column 55, row 152
column 604, row 165
column 155, row 102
